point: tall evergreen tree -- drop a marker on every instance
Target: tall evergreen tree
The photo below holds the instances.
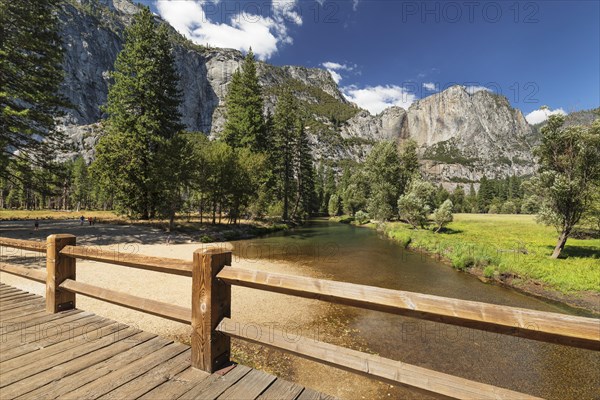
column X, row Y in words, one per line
column 384, row 173
column 304, row 173
column 285, row 123
column 30, row 74
column 138, row 158
column 245, row 123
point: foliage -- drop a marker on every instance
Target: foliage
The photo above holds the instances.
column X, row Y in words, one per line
column 415, row 205
column 512, row 244
column 333, row 209
column 361, row 217
column 245, row 124
column 443, row 215
column 569, row 174
column 140, row 156
column 383, row 171
column 30, row 75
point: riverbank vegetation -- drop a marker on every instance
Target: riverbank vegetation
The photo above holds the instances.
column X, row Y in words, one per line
column 504, row 246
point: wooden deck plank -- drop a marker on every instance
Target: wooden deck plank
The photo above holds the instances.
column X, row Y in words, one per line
column 177, row 386
column 151, row 379
column 38, row 381
column 101, row 358
column 249, row 387
column 109, row 382
column 90, row 373
column 282, row 390
column 9, row 300
column 67, row 340
column 213, row 386
column 30, row 337
column 19, row 312
column 107, row 338
column 23, row 301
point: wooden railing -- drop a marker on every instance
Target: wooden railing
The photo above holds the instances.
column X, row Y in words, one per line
column 210, row 313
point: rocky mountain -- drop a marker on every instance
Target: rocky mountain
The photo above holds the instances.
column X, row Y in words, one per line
column 461, row 136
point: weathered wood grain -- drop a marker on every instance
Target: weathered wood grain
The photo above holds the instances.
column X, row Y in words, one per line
column 211, row 302
column 58, row 269
column 537, row 325
column 30, row 273
column 159, row 264
column 165, row 310
column 30, row 245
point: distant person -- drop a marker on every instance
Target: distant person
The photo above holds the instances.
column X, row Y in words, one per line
column 94, row 221
column 36, row 224
column 168, row 239
column 81, row 220
column 90, row 220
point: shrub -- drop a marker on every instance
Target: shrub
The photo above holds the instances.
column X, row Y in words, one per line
column 489, row 271
column 362, row 217
column 403, row 238
column 443, row 214
column 509, row 208
column 493, row 209
column 206, row 239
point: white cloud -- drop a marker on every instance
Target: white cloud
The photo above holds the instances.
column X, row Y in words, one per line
column 432, row 87
column 377, row 98
column 334, row 67
column 354, row 5
column 475, row 89
column 538, row 116
column 244, row 30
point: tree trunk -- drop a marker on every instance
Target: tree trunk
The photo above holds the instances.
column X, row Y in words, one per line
column 562, row 240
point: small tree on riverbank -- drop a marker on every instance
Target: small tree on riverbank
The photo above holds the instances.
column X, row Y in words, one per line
column 443, row 215
column 569, row 159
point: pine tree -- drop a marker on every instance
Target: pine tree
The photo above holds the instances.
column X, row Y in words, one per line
column 304, row 172
column 30, row 75
column 384, row 174
column 245, row 124
column 139, row 157
column 285, row 123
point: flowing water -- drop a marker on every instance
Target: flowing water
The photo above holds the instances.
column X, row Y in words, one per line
column 346, row 253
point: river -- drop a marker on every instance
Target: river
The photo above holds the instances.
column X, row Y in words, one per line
column 351, row 254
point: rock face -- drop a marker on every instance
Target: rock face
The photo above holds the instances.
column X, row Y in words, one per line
column 464, row 136
column 461, row 136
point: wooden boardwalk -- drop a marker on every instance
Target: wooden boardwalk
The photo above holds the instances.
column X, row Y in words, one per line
column 77, row 355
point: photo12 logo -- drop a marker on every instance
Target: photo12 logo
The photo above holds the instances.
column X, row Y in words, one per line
column 453, row 12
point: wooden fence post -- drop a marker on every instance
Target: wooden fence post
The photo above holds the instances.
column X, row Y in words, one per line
column 59, row 268
column 211, row 302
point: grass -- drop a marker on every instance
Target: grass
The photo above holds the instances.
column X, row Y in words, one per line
column 508, row 244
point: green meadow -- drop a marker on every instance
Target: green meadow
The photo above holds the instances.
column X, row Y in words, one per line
column 508, row 244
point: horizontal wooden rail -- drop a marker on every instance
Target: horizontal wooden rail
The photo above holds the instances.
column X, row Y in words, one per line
column 372, row 366
column 28, row 273
column 168, row 265
column 158, row 308
column 30, row 245
column 537, row 325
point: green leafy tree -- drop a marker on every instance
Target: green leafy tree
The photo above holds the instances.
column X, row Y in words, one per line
column 415, row 205
column 334, row 205
column 245, row 124
column 443, row 214
column 569, row 174
column 30, row 75
column 458, row 199
column 486, row 194
column 384, row 174
column 139, row 159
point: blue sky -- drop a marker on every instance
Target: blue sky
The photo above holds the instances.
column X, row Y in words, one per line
column 395, row 52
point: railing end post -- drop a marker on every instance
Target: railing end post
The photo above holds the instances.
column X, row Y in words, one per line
column 59, row 268
column 211, row 302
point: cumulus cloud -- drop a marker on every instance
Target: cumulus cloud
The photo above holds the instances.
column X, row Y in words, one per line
column 432, row 87
column 475, row 89
column 244, row 29
column 375, row 99
column 539, row 116
column 334, row 67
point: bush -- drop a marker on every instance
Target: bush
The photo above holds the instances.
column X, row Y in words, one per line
column 462, row 261
column 403, row 238
column 489, row 271
column 493, row 209
column 206, row 239
column 509, row 208
column 443, row 214
column 362, row 217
